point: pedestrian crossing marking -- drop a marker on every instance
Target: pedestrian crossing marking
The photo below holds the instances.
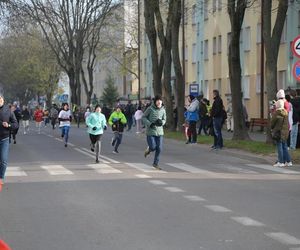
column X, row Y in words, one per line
column 274, row 169
column 103, row 168
column 15, row 172
column 284, row 238
column 218, row 209
column 189, row 168
column 174, row 189
column 144, row 168
column 105, row 159
column 245, row 221
column 91, row 155
column 143, row 176
column 194, row 198
column 57, row 170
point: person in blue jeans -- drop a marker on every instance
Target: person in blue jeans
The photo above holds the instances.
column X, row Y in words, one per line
column 65, row 119
column 216, row 113
column 279, row 124
column 8, row 122
column 154, row 119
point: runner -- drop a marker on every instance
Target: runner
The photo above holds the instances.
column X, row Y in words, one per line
column 117, row 121
column 155, row 118
column 38, row 117
column 25, row 119
column 65, row 118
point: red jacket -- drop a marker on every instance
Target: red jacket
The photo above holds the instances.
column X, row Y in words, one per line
column 38, row 115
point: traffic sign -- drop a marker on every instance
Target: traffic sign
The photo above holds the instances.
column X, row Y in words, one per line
column 296, row 46
column 194, row 89
column 296, row 71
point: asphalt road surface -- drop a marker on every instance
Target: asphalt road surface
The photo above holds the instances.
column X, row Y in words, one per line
column 58, row 198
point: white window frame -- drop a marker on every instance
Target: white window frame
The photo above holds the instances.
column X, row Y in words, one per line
column 246, row 87
column 247, row 39
column 220, row 44
column 206, row 49
column 258, row 83
column 194, row 53
column 205, row 8
column 194, row 11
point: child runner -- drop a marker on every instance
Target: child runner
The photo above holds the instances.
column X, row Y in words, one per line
column 117, row 121
column 65, row 118
column 96, row 123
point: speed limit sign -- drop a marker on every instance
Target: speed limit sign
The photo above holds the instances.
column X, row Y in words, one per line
column 296, row 46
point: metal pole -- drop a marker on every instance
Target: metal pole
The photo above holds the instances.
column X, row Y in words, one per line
column 183, row 41
column 262, row 64
column 139, row 53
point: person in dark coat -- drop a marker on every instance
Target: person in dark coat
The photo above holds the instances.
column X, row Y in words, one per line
column 217, row 119
column 8, row 121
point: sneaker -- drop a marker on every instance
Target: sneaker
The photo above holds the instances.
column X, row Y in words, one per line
column 97, row 161
column 289, row 164
column 156, row 166
column 278, row 164
column 147, row 152
column 66, row 145
column 62, row 135
column 187, row 142
column 115, row 152
column 15, row 142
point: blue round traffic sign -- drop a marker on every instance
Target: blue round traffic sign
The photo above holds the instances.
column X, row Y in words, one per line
column 296, row 71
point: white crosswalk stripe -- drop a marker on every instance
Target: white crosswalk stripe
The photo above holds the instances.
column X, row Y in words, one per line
column 103, row 168
column 284, row 238
column 274, row 169
column 57, row 170
column 144, row 168
column 90, row 154
column 15, row 172
column 189, row 168
column 247, row 221
column 104, row 158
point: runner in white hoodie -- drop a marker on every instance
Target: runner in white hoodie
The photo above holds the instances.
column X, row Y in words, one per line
column 65, row 118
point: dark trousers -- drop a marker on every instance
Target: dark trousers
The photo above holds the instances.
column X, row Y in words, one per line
column 203, row 125
column 193, row 131
column 218, row 139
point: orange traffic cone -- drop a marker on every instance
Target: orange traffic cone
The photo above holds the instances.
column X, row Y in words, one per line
column 4, row 246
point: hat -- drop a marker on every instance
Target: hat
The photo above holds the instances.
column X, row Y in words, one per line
column 279, row 105
column 280, row 94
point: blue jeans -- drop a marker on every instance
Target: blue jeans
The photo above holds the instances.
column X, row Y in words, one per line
column 65, row 132
column 155, row 144
column 4, row 149
column 294, row 135
column 117, row 140
column 283, row 153
column 218, row 139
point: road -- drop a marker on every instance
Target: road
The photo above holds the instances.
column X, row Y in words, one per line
column 58, row 198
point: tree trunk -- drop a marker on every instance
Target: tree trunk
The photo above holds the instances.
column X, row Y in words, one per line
column 180, row 84
column 71, row 75
column 236, row 11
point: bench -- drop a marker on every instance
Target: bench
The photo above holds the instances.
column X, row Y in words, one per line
column 259, row 122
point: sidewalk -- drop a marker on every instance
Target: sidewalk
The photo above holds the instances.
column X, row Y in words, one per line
column 255, row 135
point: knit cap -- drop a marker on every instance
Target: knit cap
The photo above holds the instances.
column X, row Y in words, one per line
column 280, row 94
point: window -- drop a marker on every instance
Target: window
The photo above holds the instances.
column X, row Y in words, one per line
column 201, row 48
column 219, row 4
column 194, row 55
column 258, row 83
column 214, row 7
column 247, row 39
column 205, row 9
column 284, row 33
column 219, row 44
column 246, row 87
column 145, row 66
column 198, row 68
column 258, row 33
column 281, row 79
column 205, row 89
column 206, row 50
column 214, row 45
column 186, row 53
column 228, row 41
column 194, row 15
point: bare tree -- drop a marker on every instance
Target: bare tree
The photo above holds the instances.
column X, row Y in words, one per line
column 66, row 24
column 236, row 10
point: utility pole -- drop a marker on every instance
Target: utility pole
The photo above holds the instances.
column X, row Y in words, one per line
column 262, row 63
column 139, row 52
column 183, row 40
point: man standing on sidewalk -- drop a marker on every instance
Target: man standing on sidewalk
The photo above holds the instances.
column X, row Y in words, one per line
column 155, row 118
column 8, row 122
column 218, row 119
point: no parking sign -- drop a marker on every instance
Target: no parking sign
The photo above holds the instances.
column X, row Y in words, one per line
column 296, row 71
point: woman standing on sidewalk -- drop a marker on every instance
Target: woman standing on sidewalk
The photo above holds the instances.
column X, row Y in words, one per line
column 279, row 126
column 155, row 118
column 96, row 123
column 65, row 118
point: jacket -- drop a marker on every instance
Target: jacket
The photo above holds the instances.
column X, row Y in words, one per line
column 279, row 122
column 296, row 109
column 96, row 120
column 117, row 121
column 64, row 118
column 6, row 115
column 192, row 113
column 151, row 115
column 38, row 115
column 217, row 108
column 25, row 115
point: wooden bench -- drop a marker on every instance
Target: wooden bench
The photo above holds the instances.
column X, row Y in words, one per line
column 259, row 122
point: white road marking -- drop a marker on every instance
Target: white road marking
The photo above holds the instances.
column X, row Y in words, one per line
column 90, row 155
column 104, row 169
column 194, row 198
column 237, row 169
column 157, row 182
column 218, row 209
column 144, row 168
column 15, row 172
column 71, row 144
column 284, row 238
column 59, row 139
column 189, row 168
column 143, row 176
column 247, row 221
column 57, row 170
column 102, row 156
column 274, row 169
column 174, row 189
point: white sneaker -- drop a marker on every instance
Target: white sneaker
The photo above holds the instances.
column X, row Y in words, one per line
column 288, row 164
column 278, row 164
